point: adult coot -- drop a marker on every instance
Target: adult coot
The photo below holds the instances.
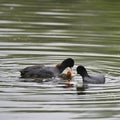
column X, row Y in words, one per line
column 90, row 78
column 46, row 71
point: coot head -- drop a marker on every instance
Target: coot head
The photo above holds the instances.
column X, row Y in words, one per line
column 69, row 62
column 82, row 71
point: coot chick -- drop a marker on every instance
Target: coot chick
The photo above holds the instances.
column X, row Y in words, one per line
column 46, row 72
column 90, row 78
column 66, row 76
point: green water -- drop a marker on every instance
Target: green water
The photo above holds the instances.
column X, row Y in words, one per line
column 46, row 32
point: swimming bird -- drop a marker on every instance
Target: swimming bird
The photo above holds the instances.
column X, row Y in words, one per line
column 46, row 71
column 90, row 78
column 66, row 76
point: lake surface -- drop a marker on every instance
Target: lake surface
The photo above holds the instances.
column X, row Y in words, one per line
column 46, row 32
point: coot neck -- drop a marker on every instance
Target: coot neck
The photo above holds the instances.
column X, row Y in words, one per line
column 62, row 67
column 84, row 74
